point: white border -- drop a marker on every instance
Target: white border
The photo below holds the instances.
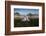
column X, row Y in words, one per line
column 26, row 28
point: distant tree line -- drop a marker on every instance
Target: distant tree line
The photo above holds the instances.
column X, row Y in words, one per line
column 29, row 14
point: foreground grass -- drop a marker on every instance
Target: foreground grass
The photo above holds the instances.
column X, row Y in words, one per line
column 31, row 23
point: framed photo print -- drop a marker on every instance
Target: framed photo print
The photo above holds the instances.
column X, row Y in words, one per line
column 24, row 17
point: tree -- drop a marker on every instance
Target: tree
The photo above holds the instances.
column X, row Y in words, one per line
column 16, row 13
column 29, row 14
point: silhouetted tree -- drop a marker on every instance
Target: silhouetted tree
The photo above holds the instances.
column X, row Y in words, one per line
column 29, row 14
column 16, row 13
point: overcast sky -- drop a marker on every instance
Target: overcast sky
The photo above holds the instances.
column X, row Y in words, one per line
column 23, row 11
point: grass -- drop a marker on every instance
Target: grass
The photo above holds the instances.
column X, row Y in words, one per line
column 31, row 23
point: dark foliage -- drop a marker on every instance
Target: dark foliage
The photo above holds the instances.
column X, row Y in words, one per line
column 16, row 13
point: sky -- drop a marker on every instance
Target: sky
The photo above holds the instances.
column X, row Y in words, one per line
column 23, row 11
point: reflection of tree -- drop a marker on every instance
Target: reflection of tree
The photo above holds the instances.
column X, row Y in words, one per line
column 16, row 13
